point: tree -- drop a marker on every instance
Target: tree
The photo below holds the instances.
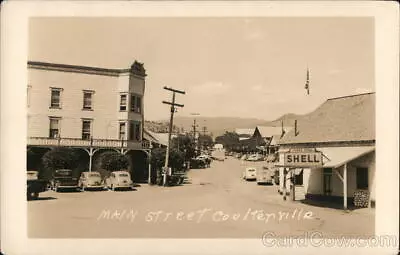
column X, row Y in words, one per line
column 59, row 158
column 176, row 159
column 185, row 144
column 230, row 140
column 205, row 140
column 113, row 161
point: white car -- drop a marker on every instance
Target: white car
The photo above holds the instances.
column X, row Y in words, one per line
column 254, row 157
column 250, row 174
column 90, row 180
column 118, row 180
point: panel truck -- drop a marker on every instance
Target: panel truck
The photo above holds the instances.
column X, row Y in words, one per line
column 34, row 185
column 264, row 175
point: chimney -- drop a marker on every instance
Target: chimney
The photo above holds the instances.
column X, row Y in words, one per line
column 295, row 128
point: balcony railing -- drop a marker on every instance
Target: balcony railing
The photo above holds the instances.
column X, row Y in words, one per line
column 97, row 143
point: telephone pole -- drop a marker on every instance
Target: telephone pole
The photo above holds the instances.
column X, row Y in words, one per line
column 204, row 130
column 171, row 121
column 195, row 126
column 203, row 144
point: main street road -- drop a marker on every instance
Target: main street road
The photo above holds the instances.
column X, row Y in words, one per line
column 216, row 203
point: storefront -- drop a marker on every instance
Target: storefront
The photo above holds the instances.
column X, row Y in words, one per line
column 342, row 130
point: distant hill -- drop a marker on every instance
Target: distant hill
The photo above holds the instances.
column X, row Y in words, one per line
column 288, row 120
column 215, row 125
column 218, row 125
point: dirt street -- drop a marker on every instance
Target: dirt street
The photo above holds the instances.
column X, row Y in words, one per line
column 216, row 203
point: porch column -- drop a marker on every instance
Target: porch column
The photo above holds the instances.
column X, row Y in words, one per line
column 345, row 186
column 90, row 159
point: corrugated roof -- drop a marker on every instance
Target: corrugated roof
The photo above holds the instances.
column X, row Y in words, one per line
column 160, row 138
column 350, row 118
column 267, row 131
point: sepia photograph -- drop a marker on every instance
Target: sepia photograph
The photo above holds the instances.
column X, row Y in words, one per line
column 183, row 127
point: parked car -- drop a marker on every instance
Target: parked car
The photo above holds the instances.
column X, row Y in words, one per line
column 119, row 180
column 263, row 176
column 254, row 157
column 197, row 163
column 63, row 179
column 34, row 185
column 90, row 180
column 249, row 174
column 207, row 159
column 243, row 157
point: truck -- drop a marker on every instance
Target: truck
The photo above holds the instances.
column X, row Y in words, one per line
column 264, row 175
column 34, row 185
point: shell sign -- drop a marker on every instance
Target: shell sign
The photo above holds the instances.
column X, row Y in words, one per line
column 303, row 159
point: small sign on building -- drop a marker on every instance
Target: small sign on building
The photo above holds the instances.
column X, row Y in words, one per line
column 303, row 159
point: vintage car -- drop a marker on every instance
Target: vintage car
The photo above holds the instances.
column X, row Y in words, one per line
column 197, row 163
column 263, row 176
column 63, row 179
column 90, row 180
column 34, row 185
column 249, row 174
column 254, row 157
column 119, row 180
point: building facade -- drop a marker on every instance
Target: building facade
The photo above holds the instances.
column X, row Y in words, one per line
column 343, row 131
column 86, row 107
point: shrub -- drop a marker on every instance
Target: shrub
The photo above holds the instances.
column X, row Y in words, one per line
column 113, row 161
column 59, row 158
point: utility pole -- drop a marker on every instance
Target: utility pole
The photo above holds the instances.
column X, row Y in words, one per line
column 204, row 130
column 203, row 145
column 171, row 121
column 194, row 126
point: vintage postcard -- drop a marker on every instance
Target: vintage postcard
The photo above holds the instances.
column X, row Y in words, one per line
column 199, row 127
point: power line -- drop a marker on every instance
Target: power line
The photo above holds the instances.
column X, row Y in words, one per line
column 173, row 105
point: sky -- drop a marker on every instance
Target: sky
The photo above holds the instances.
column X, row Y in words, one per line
column 252, row 67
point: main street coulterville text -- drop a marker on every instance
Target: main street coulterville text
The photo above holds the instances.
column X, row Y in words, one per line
column 204, row 214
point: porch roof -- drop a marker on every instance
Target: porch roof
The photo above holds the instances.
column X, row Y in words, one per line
column 338, row 156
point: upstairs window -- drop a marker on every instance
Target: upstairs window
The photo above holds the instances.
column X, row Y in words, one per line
column 134, row 131
column 122, row 131
column 86, row 129
column 55, row 100
column 136, row 103
column 54, row 129
column 87, row 99
column 123, row 102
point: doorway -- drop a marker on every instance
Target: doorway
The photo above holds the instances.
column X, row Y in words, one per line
column 327, row 181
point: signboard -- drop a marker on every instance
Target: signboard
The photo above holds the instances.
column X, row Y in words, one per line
column 303, row 159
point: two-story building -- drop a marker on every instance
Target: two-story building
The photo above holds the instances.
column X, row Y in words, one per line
column 343, row 130
column 89, row 108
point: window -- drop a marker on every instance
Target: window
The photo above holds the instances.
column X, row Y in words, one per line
column 123, row 102
column 136, row 103
column 55, row 101
column 134, row 131
column 122, row 128
column 362, row 178
column 87, row 100
column 86, row 128
column 54, row 130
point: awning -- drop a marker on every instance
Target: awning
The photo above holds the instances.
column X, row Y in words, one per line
column 338, row 156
